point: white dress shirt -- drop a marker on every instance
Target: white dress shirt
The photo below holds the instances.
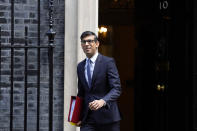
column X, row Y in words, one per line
column 92, row 64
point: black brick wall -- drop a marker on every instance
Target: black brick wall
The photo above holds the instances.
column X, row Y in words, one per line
column 26, row 15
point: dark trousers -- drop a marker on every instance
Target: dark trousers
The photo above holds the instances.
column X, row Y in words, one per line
column 100, row 127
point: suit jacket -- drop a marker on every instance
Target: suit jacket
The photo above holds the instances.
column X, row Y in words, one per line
column 105, row 85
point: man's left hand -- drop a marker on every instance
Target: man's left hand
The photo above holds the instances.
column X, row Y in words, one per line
column 96, row 104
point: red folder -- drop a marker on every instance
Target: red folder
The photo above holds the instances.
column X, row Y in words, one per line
column 74, row 115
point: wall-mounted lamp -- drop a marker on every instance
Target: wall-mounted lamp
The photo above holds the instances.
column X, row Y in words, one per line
column 102, row 30
column 105, row 34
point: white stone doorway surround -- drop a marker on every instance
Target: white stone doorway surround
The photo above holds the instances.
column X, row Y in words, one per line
column 80, row 15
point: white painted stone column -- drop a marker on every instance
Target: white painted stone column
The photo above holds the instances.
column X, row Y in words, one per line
column 87, row 18
column 70, row 57
column 80, row 15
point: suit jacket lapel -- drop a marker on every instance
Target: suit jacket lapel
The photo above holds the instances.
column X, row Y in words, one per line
column 96, row 68
column 83, row 73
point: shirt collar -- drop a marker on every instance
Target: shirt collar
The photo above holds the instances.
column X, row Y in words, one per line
column 93, row 58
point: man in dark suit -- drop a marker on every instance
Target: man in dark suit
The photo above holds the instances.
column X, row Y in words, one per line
column 99, row 86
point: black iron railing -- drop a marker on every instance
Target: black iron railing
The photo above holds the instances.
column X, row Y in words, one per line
column 12, row 47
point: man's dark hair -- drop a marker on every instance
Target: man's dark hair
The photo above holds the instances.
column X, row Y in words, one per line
column 88, row 33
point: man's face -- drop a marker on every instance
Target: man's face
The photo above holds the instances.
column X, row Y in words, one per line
column 89, row 45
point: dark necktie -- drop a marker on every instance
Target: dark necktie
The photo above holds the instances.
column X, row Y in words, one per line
column 89, row 73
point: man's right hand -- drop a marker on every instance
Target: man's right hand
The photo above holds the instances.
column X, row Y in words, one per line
column 78, row 123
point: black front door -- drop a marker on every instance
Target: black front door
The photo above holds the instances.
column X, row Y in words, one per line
column 164, row 65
